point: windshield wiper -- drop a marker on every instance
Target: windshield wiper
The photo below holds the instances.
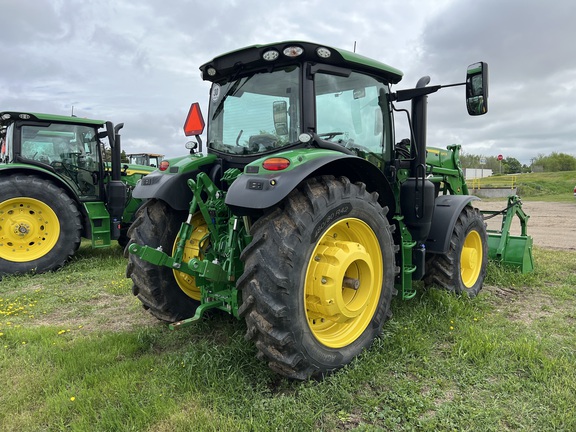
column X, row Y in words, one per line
column 231, row 91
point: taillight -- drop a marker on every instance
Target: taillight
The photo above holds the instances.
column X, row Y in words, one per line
column 164, row 165
column 276, row 164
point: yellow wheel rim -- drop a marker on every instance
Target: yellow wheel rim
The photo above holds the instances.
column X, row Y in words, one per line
column 29, row 229
column 194, row 248
column 471, row 259
column 343, row 283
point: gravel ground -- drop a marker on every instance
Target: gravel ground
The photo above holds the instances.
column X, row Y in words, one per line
column 551, row 225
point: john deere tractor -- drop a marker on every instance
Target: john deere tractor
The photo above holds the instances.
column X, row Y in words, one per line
column 56, row 188
column 305, row 216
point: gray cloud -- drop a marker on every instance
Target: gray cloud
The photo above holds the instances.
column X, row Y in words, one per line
column 137, row 62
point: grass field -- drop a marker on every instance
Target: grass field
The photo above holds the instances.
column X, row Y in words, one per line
column 550, row 186
column 78, row 353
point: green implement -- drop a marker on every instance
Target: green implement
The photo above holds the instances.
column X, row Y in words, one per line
column 511, row 250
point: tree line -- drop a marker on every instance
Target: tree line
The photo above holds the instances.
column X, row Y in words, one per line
column 542, row 163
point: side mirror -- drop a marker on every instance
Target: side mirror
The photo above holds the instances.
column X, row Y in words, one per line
column 280, row 113
column 477, row 89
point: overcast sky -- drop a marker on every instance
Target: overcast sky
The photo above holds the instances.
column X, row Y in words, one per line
column 137, row 62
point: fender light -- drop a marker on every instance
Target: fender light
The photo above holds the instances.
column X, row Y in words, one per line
column 164, row 165
column 276, row 164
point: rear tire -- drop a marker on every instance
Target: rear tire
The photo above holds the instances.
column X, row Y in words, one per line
column 157, row 225
column 463, row 268
column 304, row 319
column 40, row 225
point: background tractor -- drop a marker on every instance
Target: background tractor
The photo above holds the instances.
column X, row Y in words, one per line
column 149, row 159
column 55, row 188
column 305, row 217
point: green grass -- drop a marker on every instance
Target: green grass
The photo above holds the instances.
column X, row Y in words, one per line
column 77, row 352
column 552, row 186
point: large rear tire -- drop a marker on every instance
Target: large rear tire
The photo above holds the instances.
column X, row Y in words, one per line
column 157, row 287
column 318, row 279
column 463, row 268
column 40, row 226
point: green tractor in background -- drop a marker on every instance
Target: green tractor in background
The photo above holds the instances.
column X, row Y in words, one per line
column 56, row 188
column 149, row 159
column 305, row 217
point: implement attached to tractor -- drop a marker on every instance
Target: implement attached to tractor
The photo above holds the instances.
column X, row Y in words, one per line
column 511, row 250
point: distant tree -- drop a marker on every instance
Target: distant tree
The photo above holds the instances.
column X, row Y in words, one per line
column 107, row 154
column 511, row 165
column 556, row 162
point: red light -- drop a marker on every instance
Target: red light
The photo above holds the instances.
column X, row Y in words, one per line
column 164, row 165
column 276, row 164
column 194, row 124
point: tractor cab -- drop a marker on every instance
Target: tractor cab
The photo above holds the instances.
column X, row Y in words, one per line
column 72, row 150
column 278, row 98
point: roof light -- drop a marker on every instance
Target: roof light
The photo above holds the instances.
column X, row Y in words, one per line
column 276, row 164
column 194, row 124
column 211, row 71
column 24, row 116
column 293, row 51
column 164, row 165
column 5, row 116
column 323, row 52
column 270, row 55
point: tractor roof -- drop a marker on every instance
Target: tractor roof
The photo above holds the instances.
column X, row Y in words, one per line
column 9, row 116
column 257, row 57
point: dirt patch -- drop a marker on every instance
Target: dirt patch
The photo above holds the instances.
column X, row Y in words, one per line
column 524, row 306
column 551, row 225
column 107, row 312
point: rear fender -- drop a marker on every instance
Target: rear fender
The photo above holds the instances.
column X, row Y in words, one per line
column 258, row 189
column 446, row 211
column 171, row 185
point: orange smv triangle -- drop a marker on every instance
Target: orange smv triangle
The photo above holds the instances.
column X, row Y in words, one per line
column 194, row 124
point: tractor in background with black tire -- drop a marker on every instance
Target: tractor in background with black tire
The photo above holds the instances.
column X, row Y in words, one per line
column 305, row 217
column 56, row 188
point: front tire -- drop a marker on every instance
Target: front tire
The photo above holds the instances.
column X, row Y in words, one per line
column 318, row 278
column 157, row 287
column 463, row 268
column 40, row 225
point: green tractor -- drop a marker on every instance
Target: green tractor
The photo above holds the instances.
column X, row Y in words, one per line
column 57, row 189
column 305, row 217
column 149, row 159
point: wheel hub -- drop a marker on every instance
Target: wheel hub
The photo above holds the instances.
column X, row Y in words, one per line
column 29, row 229
column 343, row 283
column 471, row 259
column 21, row 229
column 340, row 264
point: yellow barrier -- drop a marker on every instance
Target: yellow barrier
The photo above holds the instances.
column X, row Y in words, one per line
column 500, row 182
